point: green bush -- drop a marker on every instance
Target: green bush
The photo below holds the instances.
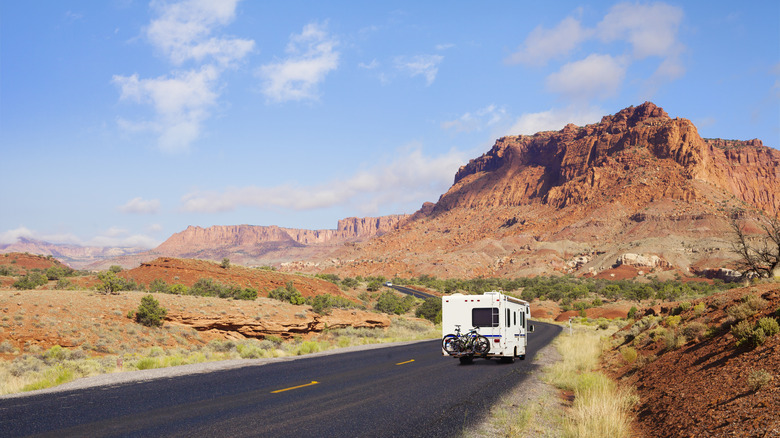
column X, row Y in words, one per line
column 323, row 303
column 289, row 294
column 150, row 313
column 225, row 263
column 110, row 283
column 30, row 281
column 389, row 302
column 374, row 286
column 769, row 326
column 430, row 309
column 632, row 312
column 694, row 330
column 207, row 287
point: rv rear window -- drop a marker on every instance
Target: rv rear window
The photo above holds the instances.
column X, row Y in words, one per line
column 484, row 317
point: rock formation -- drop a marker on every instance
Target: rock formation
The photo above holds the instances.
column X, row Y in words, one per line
column 637, row 182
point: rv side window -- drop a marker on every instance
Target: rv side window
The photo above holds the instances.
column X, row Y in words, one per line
column 515, row 315
column 508, row 320
column 522, row 319
column 484, row 317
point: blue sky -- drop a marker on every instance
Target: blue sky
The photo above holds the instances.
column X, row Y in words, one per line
column 123, row 122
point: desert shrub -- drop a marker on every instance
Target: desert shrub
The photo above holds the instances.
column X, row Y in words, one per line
column 323, row 303
column 374, row 286
column 333, row 278
column 430, row 309
column 209, row 288
column 159, row 285
column 150, row 313
column 639, row 327
column 115, row 269
column 56, row 272
column 7, row 347
column 225, row 263
column 629, row 354
column 7, row 271
column 110, row 283
column 749, row 335
column 389, row 302
column 674, row 340
column 30, row 281
column 682, row 307
column 289, row 294
column 350, row 283
column 758, row 379
column 769, row 326
column 603, row 324
column 63, row 284
column 694, row 330
column 632, row 312
column 658, row 333
column 222, row 346
column 672, row 321
column 740, row 312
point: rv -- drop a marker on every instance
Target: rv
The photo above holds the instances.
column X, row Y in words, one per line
column 500, row 318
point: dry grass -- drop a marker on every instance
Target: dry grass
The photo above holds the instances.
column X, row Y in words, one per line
column 600, row 407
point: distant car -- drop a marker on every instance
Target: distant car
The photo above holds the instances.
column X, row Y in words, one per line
column 388, row 284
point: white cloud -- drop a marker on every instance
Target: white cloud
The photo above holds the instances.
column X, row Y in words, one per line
column 112, row 237
column 475, row 121
column 420, row 65
column 650, row 29
column 370, row 66
column 595, row 76
column 182, row 99
column 12, row 236
column 542, row 44
column 555, row 119
column 181, row 103
column 312, row 55
column 182, row 31
column 412, row 177
column 141, row 206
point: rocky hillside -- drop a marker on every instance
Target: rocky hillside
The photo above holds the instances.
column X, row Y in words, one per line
column 639, row 186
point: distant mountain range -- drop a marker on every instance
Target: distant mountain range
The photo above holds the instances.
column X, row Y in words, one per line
column 638, row 188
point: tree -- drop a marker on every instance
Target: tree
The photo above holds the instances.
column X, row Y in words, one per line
column 110, row 282
column 225, row 263
column 759, row 254
column 150, row 313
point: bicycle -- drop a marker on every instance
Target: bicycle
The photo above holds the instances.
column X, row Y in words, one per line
column 463, row 344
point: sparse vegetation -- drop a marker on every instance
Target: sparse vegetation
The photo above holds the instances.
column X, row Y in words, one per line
column 289, row 294
column 390, row 302
column 758, row 379
column 601, row 408
column 206, row 287
column 31, row 281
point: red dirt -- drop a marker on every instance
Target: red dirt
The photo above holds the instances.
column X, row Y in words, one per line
column 701, row 388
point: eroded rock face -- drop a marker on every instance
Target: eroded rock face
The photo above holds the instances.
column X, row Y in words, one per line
column 577, row 164
column 239, row 327
column 636, row 182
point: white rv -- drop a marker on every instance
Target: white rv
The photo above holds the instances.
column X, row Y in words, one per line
column 502, row 319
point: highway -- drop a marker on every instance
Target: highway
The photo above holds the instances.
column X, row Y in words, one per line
column 408, row 390
column 413, row 292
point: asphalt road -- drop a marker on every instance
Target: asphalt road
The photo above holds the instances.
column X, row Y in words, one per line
column 405, row 391
column 413, row 292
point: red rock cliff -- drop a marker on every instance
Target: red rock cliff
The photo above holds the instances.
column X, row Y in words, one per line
column 579, row 163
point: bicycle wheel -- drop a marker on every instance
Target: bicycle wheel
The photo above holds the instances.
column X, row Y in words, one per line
column 450, row 344
column 481, row 345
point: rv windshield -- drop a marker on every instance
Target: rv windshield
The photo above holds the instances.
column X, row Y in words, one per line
column 484, row 317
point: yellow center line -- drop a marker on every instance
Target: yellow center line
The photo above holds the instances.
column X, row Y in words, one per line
column 313, row 382
column 408, row 361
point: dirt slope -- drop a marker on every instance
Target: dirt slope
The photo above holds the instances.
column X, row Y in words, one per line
column 702, row 387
